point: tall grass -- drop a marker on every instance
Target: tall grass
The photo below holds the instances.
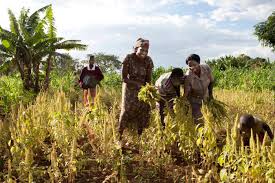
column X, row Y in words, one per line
column 43, row 139
column 245, row 79
column 52, row 139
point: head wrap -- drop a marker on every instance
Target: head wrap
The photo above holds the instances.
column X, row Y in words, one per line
column 141, row 43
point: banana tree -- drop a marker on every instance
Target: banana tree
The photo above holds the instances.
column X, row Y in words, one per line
column 30, row 41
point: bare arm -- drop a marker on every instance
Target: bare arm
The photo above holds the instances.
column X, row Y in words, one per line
column 82, row 75
column 100, row 74
column 268, row 130
column 149, row 71
column 210, row 90
column 177, row 88
column 211, row 84
column 187, row 86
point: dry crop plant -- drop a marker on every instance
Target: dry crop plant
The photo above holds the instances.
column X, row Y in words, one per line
column 102, row 122
column 253, row 163
column 43, row 140
column 46, row 140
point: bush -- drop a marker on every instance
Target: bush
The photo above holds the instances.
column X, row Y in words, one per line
column 12, row 93
column 243, row 72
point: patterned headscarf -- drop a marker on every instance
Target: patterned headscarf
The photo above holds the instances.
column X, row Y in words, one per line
column 141, row 43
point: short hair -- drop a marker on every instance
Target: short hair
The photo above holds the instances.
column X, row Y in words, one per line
column 91, row 57
column 194, row 57
column 247, row 121
column 177, row 72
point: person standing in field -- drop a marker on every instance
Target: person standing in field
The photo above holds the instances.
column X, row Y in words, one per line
column 198, row 85
column 89, row 78
column 168, row 86
column 136, row 72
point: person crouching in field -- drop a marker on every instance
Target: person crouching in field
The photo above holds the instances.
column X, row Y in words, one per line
column 136, row 72
column 198, row 85
column 168, row 86
column 89, row 78
column 258, row 127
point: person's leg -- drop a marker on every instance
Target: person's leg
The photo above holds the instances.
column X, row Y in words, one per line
column 85, row 97
column 140, row 130
column 196, row 113
column 161, row 112
column 93, row 95
column 121, row 124
column 171, row 106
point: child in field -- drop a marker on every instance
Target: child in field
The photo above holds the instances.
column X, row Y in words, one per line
column 89, row 78
column 247, row 123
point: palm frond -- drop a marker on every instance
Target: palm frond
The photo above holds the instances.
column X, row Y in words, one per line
column 70, row 45
column 50, row 20
column 43, row 43
column 7, row 35
column 34, row 19
column 71, row 41
column 5, row 55
column 7, row 51
column 62, row 55
column 5, row 65
column 35, row 14
column 39, row 30
column 13, row 23
column 23, row 24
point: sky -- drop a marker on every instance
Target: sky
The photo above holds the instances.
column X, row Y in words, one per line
column 175, row 28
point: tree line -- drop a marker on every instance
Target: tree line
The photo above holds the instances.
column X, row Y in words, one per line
column 31, row 48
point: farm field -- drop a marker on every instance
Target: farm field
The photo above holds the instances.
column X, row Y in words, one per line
column 51, row 132
column 55, row 140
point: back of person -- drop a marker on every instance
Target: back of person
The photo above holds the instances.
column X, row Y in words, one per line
column 258, row 127
column 168, row 86
column 164, row 86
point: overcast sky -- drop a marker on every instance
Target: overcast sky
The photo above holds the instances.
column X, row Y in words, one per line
column 175, row 28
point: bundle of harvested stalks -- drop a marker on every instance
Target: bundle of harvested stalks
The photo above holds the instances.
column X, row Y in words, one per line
column 182, row 108
column 215, row 109
column 149, row 95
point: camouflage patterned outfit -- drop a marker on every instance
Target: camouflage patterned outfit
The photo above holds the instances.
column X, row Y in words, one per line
column 134, row 113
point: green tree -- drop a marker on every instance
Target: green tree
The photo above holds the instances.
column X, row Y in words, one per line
column 265, row 31
column 31, row 44
column 64, row 64
column 107, row 63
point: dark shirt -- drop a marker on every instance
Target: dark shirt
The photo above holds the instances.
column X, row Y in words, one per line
column 94, row 73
